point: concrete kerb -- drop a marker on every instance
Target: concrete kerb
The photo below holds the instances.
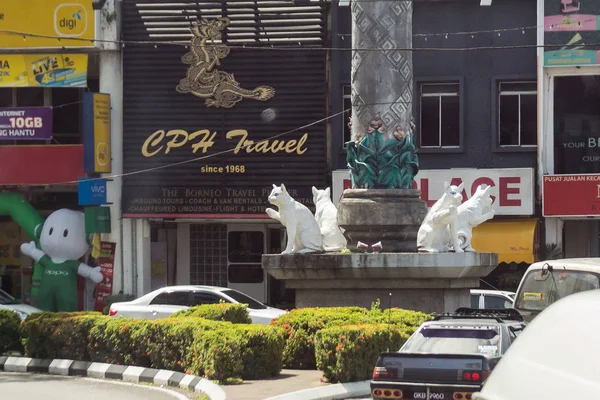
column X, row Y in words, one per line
column 132, row 374
column 338, row 391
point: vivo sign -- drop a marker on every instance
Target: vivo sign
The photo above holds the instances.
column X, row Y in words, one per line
column 512, row 188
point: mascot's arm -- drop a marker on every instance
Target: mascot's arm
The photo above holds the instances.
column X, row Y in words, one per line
column 94, row 274
column 29, row 249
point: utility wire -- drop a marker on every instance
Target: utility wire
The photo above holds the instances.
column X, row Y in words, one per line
column 169, row 165
column 301, row 47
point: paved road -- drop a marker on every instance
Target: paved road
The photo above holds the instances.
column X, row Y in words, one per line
column 55, row 387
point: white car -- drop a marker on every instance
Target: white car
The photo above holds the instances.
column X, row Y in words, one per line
column 481, row 298
column 165, row 301
column 555, row 357
column 7, row 302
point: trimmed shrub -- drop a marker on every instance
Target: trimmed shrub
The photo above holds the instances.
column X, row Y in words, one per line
column 10, row 337
column 348, row 353
column 59, row 335
column 169, row 340
column 302, row 324
column 215, row 355
column 120, row 341
column 230, row 312
column 262, row 350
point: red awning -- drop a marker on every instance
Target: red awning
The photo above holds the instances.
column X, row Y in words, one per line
column 40, row 164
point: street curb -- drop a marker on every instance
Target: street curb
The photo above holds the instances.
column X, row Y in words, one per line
column 131, row 374
column 338, row 391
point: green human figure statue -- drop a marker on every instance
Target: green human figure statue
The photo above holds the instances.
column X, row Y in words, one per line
column 63, row 242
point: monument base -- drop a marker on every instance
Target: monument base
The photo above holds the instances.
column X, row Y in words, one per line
column 418, row 281
column 389, row 216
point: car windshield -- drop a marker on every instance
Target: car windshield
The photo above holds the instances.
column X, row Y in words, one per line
column 542, row 288
column 242, row 298
column 6, row 298
column 455, row 340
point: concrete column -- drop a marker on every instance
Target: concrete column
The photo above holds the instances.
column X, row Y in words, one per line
column 142, row 271
column 382, row 81
column 111, row 82
column 183, row 254
column 128, row 253
column 554, row 231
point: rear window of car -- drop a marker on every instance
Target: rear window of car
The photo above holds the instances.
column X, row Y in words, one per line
column 455, row 340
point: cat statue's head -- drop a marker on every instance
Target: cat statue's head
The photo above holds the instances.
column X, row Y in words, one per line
column 452, row 194
column 482, row 196
column 321, row 195
column 279, row 196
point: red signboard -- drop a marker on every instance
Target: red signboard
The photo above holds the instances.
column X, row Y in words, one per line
column 571, row 195
column 40, row 164
column 106, row 261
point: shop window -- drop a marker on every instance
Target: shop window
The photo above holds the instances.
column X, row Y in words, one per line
column 30, row 97
column 66, row 115
column 245, row 247
column 440, row 115
column 6, row 97
column 517, row 114
column 347, row 107
column 577, row 124
column 245, row 273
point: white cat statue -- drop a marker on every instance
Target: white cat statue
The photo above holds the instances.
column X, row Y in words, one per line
column 473, row 212
column 303, row 233
column 440, row 225
column 326, row 216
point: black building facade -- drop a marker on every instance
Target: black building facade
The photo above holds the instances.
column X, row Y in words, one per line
column 222, row 99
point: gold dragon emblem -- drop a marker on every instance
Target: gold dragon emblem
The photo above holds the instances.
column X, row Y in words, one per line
column 203, row 79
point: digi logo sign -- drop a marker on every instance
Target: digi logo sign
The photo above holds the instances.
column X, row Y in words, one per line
column 70, row 20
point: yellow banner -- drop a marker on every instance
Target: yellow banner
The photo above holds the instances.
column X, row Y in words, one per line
column 46, row 24
column 10, row 243
column 43, row 70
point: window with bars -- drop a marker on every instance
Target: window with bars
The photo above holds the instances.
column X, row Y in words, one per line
column 208, row 254
column 439, row 125
column 517, row 114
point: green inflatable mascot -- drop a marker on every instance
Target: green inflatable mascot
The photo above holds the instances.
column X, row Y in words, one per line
column 62, row 241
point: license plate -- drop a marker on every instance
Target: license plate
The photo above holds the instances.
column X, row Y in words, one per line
column 422, row 395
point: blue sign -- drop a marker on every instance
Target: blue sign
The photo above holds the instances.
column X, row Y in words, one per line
column 92, row 191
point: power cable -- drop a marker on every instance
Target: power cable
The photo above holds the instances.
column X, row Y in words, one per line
column 301, row 47
column 146, row 170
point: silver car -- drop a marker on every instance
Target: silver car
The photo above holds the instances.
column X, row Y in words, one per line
column 168, row 300
column 7, row 302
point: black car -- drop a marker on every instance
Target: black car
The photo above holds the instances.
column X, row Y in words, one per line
column 449, row 357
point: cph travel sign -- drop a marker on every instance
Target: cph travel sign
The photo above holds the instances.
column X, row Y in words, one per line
column 32, row 123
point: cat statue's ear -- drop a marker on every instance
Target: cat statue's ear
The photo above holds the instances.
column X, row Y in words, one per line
column 328, row 192
column 283, row 188
column 315, row 191
column 460, row 187
column 274, row 186
column 446, row 185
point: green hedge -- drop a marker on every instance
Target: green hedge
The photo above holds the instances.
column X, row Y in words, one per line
column 349, row 353
column 234, row 313
column 302, row 324
column 10, row 338
column 58, row 335
column 214, row 349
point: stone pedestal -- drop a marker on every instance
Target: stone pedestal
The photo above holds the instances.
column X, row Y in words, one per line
column 392, row 216
column 417, row 281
